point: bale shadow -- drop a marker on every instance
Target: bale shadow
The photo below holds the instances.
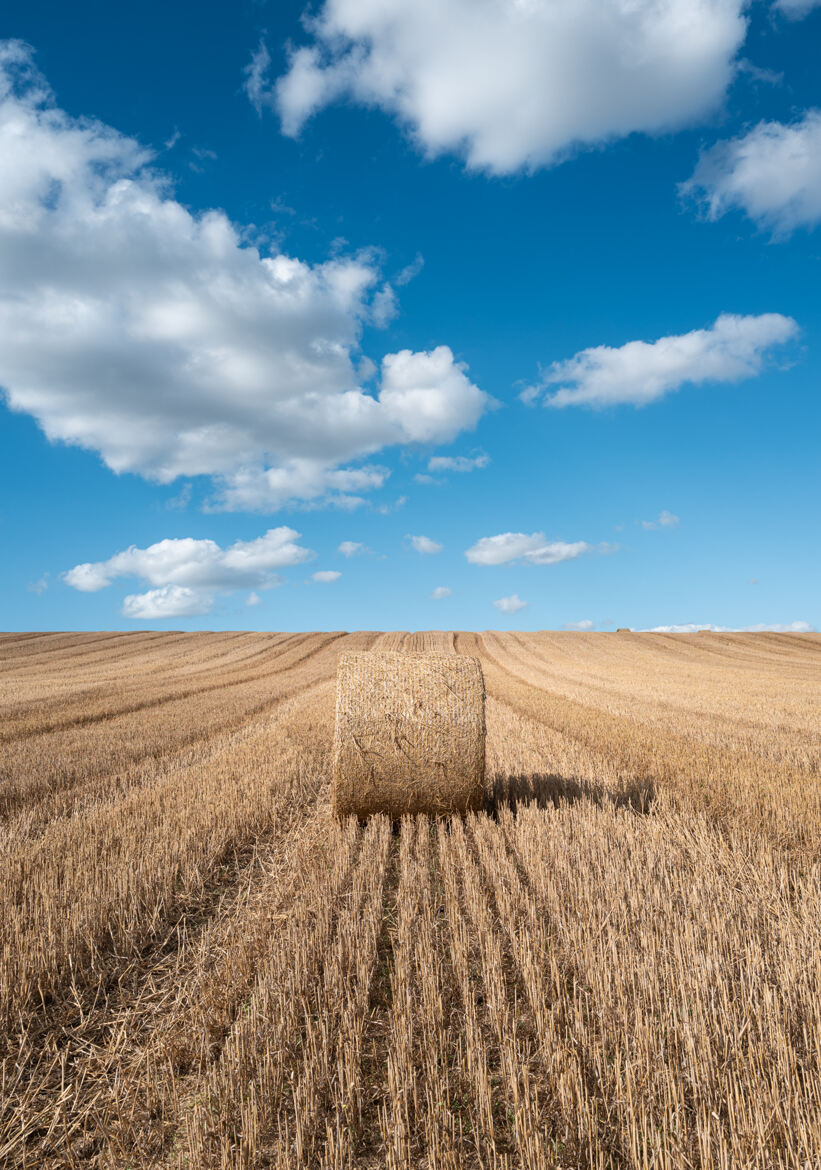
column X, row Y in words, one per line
column 548, row 788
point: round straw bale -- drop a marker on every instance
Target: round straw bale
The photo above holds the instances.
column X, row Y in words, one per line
column 410, row 734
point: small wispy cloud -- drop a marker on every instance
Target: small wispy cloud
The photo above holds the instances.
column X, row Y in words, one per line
column 424, row 544
column 181, row 500
column 459, row 463
column 253, row 599
column 40, row 586
column 440, row 592
column 584, row 624
column 664, row 519
column 203, row 155
column 410, row 271
column 352, row 548
column 257, row 85
column 279, row 207
column 326, row 576
column 796, row 9
column 511, row 604
column 387, row 509
column 757, row 74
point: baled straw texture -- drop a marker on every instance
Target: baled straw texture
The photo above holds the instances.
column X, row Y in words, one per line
column 410, row 734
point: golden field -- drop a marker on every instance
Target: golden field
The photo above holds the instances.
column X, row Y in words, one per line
column 617, row 964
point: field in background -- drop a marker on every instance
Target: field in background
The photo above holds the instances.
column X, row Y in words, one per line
column 617, row 965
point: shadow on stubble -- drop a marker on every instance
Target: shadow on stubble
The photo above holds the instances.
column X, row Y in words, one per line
column 548, row 788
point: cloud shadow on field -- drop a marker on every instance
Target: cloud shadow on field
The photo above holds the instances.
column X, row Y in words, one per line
column 549, row 788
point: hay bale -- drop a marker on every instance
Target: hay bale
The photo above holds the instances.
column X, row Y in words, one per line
column 410, row 734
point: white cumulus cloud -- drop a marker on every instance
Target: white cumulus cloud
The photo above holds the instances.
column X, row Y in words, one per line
column 169, row 344
column 441, row 592
column 188, row 573
column 326, row 576
column 428, row 396
column 253, row 599
column 424, row 545
column 532, row 548
column 772, row 174
column 762, row 628
column 167, row 602
column 261, row 489
column 584, row 624
column 664, row 519
column 731, row 349
column 511, row 84
column 199, row 563
column 510, row 604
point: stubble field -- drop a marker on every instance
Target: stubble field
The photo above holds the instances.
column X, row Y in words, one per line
column 617, row 964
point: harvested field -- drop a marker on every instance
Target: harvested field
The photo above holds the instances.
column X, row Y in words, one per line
column 616, row 964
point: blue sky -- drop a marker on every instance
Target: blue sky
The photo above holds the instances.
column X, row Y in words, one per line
column 257, row 271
